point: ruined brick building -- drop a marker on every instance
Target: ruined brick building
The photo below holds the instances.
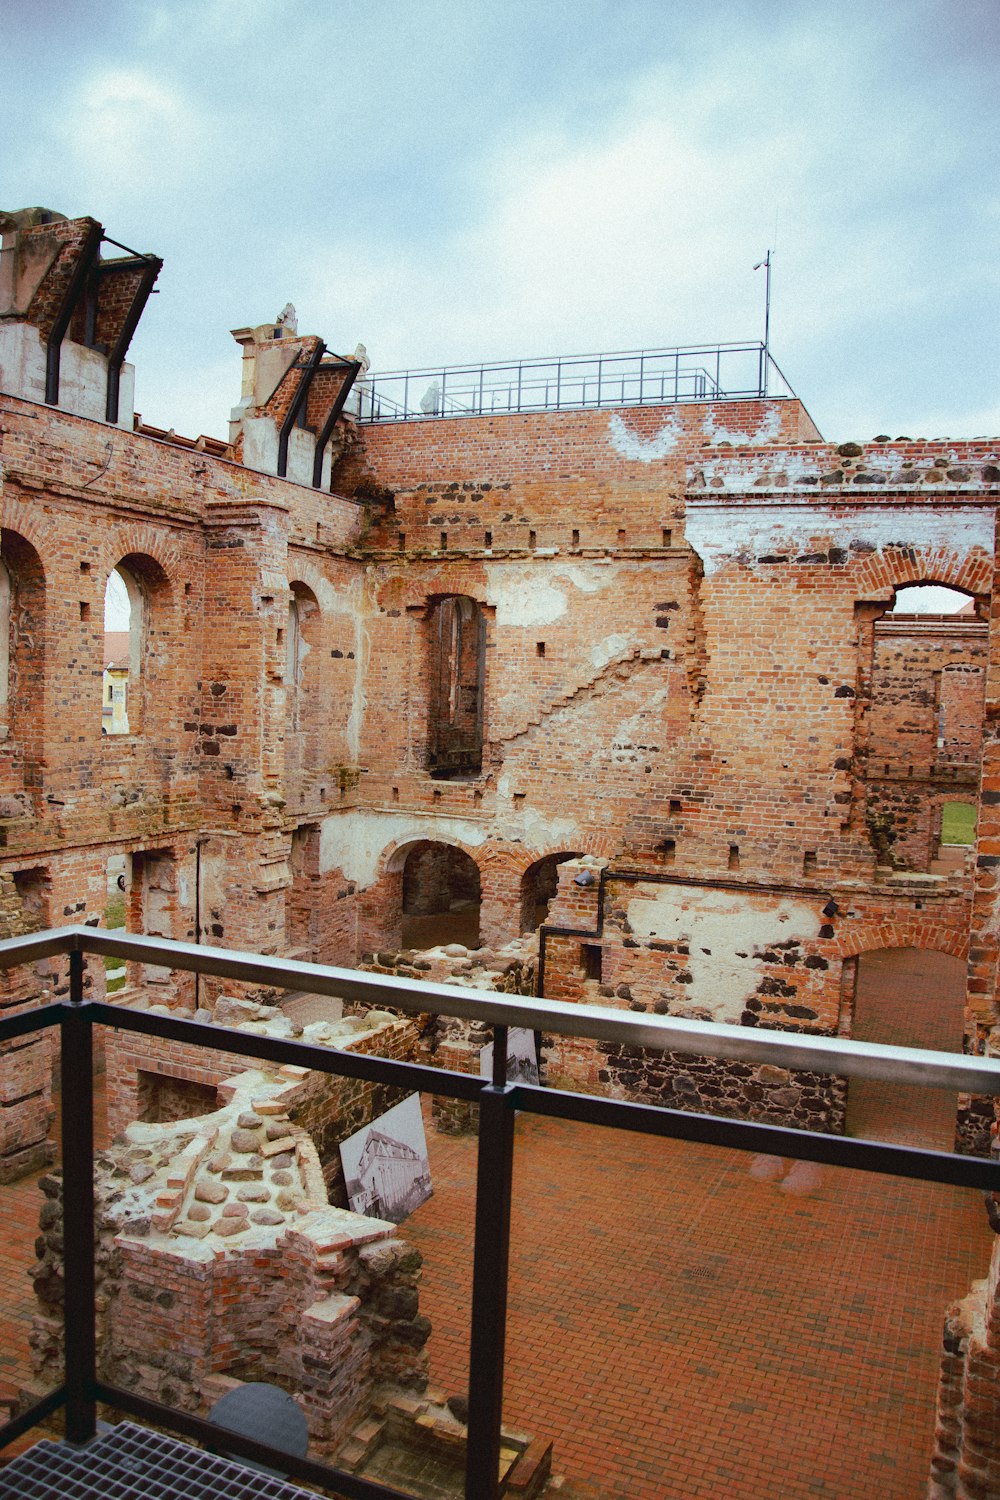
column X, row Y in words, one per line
column 617, row 678
column 386, row 658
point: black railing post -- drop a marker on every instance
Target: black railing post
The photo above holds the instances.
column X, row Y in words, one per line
column 76, row 1067
column 494, row 1175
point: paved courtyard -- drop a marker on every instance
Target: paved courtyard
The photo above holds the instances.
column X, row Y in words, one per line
column 680, row 1325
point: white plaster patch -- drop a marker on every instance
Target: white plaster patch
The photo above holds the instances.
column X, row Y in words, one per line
column 742, row 471
column 608, row 649
column 644, row 450
column 719, row 532
column 523, row 597
column 727, row 925
column 766, row 432
column 355, row 841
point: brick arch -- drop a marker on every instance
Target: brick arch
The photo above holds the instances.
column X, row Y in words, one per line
column 901, row 932
column 515, row 859
column 894, row 568
column 144, row 541
column 301, row 570
column 40, row 533
column 393, row 856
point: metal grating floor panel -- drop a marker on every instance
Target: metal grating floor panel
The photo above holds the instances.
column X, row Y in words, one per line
column 135, row 1463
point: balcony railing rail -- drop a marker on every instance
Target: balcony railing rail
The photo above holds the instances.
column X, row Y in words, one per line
column 641, row 377
column 76, row 1017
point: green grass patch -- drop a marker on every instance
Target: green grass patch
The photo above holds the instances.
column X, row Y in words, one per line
column 958, row 823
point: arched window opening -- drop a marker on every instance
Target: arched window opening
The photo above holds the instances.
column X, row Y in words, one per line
column 924, row 724
column 932, row 599
column 909, row 997
column 441, row 896
column 539, row 884
column 458, row 659
column 302, row 698
column 124, row 611
column 22, row 643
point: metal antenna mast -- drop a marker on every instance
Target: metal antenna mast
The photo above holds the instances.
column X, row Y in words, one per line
column 766, row 263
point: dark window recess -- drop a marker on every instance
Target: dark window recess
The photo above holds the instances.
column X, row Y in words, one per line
column 457, row 645
column 539, row 648
column 576, row 538
column 668, row 538
column 734, row 856
column 444, row 541
column 84, row 610
column 590, row 960
column 668, row 848
column 488, row 539
column 532, row 538
column 675, row 804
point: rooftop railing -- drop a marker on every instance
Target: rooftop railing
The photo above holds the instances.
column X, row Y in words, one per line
column 77, row 1017
column 645, row 377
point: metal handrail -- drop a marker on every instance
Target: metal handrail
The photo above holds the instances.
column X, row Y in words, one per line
column 497, row 1102
column 639, row 377
column 603, row 1023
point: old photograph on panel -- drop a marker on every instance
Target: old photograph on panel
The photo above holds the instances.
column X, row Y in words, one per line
column 385, row 1165
column 522, row 1059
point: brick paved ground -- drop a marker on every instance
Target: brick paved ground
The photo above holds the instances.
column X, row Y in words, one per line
column 678, row 1325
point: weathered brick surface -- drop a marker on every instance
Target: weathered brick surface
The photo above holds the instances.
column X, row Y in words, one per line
column 663, row 629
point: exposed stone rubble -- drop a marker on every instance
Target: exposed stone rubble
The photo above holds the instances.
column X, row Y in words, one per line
column 449, row 1041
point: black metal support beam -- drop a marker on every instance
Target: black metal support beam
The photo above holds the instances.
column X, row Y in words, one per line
column 116, row 357
column 297, row 407
column 352, row 368
column 89, row 251
column 488, row 1333
column 76, row 1072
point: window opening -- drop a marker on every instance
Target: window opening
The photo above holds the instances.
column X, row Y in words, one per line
column 123, row 648
column 458, row 650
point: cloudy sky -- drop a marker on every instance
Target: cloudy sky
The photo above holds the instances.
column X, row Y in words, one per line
column 456, row 180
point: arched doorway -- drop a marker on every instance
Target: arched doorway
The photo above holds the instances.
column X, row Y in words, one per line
column 441, row 896
column 539, row 884
column 906, row 997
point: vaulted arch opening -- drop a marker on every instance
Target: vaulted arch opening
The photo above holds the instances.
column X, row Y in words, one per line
column 441, row 896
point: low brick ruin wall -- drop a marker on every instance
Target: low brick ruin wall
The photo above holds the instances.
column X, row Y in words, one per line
column 966, row 1459
column 329, row 1107
column 220, row 1261
column 447, row 1041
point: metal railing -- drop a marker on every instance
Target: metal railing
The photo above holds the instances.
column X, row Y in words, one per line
column 644, row 377
column 497, row 1100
